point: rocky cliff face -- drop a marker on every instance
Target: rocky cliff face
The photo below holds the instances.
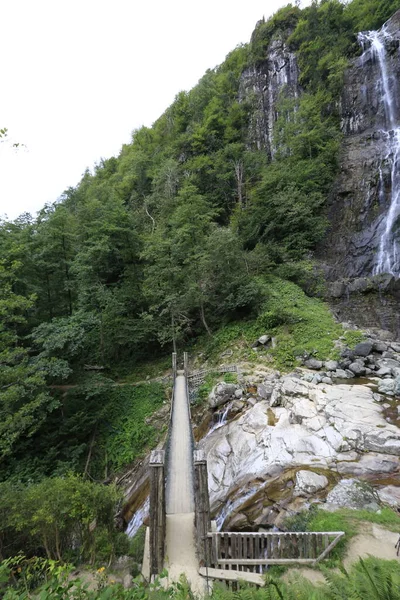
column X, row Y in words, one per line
column 261, row 85
column 363, row 194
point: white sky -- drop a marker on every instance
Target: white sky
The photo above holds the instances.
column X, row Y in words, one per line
column 78, row 76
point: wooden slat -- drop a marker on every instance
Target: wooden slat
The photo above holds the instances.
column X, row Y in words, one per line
column 266, row 561
column 233, row 576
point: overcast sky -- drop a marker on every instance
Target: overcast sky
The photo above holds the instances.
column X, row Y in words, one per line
column 78, row 76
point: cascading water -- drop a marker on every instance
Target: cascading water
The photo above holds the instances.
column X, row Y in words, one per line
column 222, row 419
column 139, row 516
column 374, row 45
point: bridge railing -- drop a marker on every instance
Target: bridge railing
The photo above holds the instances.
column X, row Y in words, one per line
column 158, row 467
column 249, row 551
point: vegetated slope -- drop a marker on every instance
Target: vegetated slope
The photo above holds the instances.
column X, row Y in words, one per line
column 169, row 239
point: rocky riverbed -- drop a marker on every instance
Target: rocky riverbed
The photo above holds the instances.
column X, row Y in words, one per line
column 326, row 433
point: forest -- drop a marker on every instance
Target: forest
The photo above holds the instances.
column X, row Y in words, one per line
column 185, row 232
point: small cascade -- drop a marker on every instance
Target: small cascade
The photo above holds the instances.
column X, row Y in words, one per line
column 231, row 505
column 139, row 516
column 374, row 45
column 222, row 419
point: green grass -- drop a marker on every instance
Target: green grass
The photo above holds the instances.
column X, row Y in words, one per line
column 299, row 323
column 346, row 520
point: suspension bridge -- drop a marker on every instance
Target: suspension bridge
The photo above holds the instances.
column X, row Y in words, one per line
column 182, row 539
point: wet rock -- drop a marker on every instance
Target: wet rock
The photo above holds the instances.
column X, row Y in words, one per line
column 363, row 349
column 264, row 390
column 370, row 464
column 386, row 386
column 239, row 523
column 331, row 365
column 390, row 494
column 308, row 482
column 340, row 374
column 383, row 372
column 313, row 363
column 315, row 427
column 357, row 368
column 350, row 493
column 221, row 393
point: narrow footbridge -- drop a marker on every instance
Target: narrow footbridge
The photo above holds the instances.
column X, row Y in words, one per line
column 183, row 540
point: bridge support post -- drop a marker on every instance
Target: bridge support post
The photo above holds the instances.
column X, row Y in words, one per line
column 174, row 365
column 157, row 512
column 202, row 508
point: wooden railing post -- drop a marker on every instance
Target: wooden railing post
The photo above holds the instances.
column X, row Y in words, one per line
column 174, row 365
column 157, row 512
column 202, row 508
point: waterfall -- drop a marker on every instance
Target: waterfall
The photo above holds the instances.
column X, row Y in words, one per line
column 222, row 419
column 374, row 45
column 138, row 517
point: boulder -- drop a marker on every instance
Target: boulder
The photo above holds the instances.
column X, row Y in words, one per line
column 327, row 380
column 313, row 363
column 386, row 386
column 350, row 493
column 331, row 365
column 340, row 374
column 390, row 494
column 222, row 393
column 264, row 390
column 383, row 372
column 264, row 339
column 308, row 482
column 363, row 348
column 379, row 346
column 357, row 368
column 394, row 346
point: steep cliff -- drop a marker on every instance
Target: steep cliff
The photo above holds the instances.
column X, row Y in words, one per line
column 362, row 197
column 261, row 85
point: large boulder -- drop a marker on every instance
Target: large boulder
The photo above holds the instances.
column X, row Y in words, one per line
column 390, row 494
column 308, row 482
column 222, row 393
column 363, row 349
column 313, row 363
column 350, row 493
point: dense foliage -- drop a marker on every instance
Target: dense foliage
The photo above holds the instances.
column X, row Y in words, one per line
column 191, row 230
column 369, row 579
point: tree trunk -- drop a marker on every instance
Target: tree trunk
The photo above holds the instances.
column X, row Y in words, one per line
column 203, row 319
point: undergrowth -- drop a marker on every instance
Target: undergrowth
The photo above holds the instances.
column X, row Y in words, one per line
column 300, row 324
column 125, row 434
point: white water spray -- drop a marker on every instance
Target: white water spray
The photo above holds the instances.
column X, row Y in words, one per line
column 374, row 46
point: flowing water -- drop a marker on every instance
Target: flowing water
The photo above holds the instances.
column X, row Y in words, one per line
column 138, row 517
column 374, row 44
column 222, row 419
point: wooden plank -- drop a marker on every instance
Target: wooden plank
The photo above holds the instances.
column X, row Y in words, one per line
column 329, row 548
column 266, row 561
column 233, row 576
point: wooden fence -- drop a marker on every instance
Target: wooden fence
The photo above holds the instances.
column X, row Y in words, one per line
column 249, row 551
